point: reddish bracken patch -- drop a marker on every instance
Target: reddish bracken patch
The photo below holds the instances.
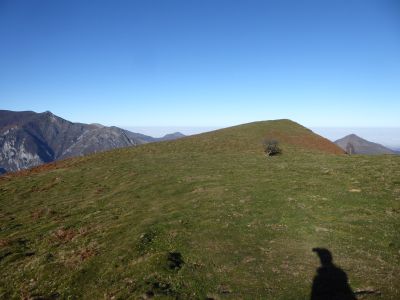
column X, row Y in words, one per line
column 65, row 235
column 307, row 141
column 4, row 242
column 62, row 164
column 74, row 258
column 87, row 253
column 42, row 212
column 34, row 170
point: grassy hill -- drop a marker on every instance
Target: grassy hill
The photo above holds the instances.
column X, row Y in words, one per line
column 205, row 216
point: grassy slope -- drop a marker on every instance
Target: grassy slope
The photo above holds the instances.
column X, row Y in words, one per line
column 102, row 226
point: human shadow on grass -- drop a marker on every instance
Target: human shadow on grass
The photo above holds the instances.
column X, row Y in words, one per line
column 331, row 282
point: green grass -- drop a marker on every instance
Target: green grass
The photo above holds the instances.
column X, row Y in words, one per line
column 103, row 226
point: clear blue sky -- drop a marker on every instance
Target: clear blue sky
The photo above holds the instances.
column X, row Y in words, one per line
column 204, row 62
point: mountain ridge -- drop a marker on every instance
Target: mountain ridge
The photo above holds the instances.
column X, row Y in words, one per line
column 28, row 139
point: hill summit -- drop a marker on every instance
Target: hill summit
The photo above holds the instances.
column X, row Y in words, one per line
column 248, row 137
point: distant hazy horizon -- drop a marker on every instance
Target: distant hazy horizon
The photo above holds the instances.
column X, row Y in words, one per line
column 160, row 131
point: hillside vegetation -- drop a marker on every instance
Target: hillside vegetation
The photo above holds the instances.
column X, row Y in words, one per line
column 204, row 216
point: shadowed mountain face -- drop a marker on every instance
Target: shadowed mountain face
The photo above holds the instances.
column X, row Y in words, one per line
column 353, row 144
column 28, row 139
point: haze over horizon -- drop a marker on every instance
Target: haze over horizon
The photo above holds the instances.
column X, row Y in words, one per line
column 209, row 64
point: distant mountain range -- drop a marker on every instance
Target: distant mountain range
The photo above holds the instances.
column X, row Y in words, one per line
column 354, row 144
column 28, row 139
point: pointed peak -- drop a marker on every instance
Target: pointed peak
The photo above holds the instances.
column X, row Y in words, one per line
column 352, row 136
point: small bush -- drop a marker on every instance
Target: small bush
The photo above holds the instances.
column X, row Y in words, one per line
column 271, row 147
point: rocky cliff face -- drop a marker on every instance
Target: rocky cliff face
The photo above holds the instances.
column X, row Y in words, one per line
column 28, row 139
